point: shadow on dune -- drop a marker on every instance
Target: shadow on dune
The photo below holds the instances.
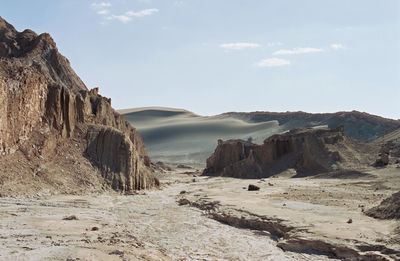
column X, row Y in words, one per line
column 181, row 136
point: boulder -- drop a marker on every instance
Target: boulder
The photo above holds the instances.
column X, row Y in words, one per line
column 252, row 187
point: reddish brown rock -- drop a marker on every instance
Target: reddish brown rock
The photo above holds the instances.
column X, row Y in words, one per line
column 44, row 106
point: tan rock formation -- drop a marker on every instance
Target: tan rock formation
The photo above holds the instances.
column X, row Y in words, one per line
column 43, row 104
column 120, row 162
column 309, row 151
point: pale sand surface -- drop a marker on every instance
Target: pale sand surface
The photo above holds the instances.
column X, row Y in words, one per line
column 312, row 209
column 152, row 226
column 148, row 226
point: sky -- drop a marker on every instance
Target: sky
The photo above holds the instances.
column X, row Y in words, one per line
column 214, row 56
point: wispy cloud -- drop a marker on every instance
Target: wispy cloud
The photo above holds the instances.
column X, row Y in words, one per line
column 121, row 18
column 127, row 16
column 298, row 50
column 103, row 12
column 102, row 9
column 142, row 13
column 273, row 62
column 337, row 46
column 101, row 5
column 239, row 46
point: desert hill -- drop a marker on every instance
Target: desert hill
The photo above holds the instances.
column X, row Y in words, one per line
column 391, row 141
column 55, row 134
column 358, row 125
column 174, row 135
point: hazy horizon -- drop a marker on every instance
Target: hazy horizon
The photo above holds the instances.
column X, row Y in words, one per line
column 211, row 57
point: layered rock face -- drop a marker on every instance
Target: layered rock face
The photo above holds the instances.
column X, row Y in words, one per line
column 44, row 105
column 308, row 151
column 115, row 154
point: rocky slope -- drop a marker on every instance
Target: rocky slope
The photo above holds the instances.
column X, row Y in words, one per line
column 390, row 141
column 306, row 151
column 389, row 208
column 50, row 121
column 358, row 125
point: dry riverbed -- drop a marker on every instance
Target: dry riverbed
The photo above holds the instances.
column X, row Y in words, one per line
column 147, row 226
column 307, row 216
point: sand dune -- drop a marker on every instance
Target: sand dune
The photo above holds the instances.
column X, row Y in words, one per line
column 173, row 135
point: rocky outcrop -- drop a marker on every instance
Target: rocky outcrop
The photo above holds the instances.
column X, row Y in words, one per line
column 43, row 104
column 383, row 158
column 115, row 154
column 387, row 209
column 390, row 148
column 228, row 153
column 308, row 151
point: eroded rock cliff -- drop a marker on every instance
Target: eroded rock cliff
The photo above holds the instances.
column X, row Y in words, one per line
column 44, row 106
column 308, row 151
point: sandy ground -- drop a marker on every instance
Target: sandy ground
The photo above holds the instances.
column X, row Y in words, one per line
column 148, row 226
column 304, row 215
column 322, row 214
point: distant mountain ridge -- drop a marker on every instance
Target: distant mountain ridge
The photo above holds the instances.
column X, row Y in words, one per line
column 359, row 125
